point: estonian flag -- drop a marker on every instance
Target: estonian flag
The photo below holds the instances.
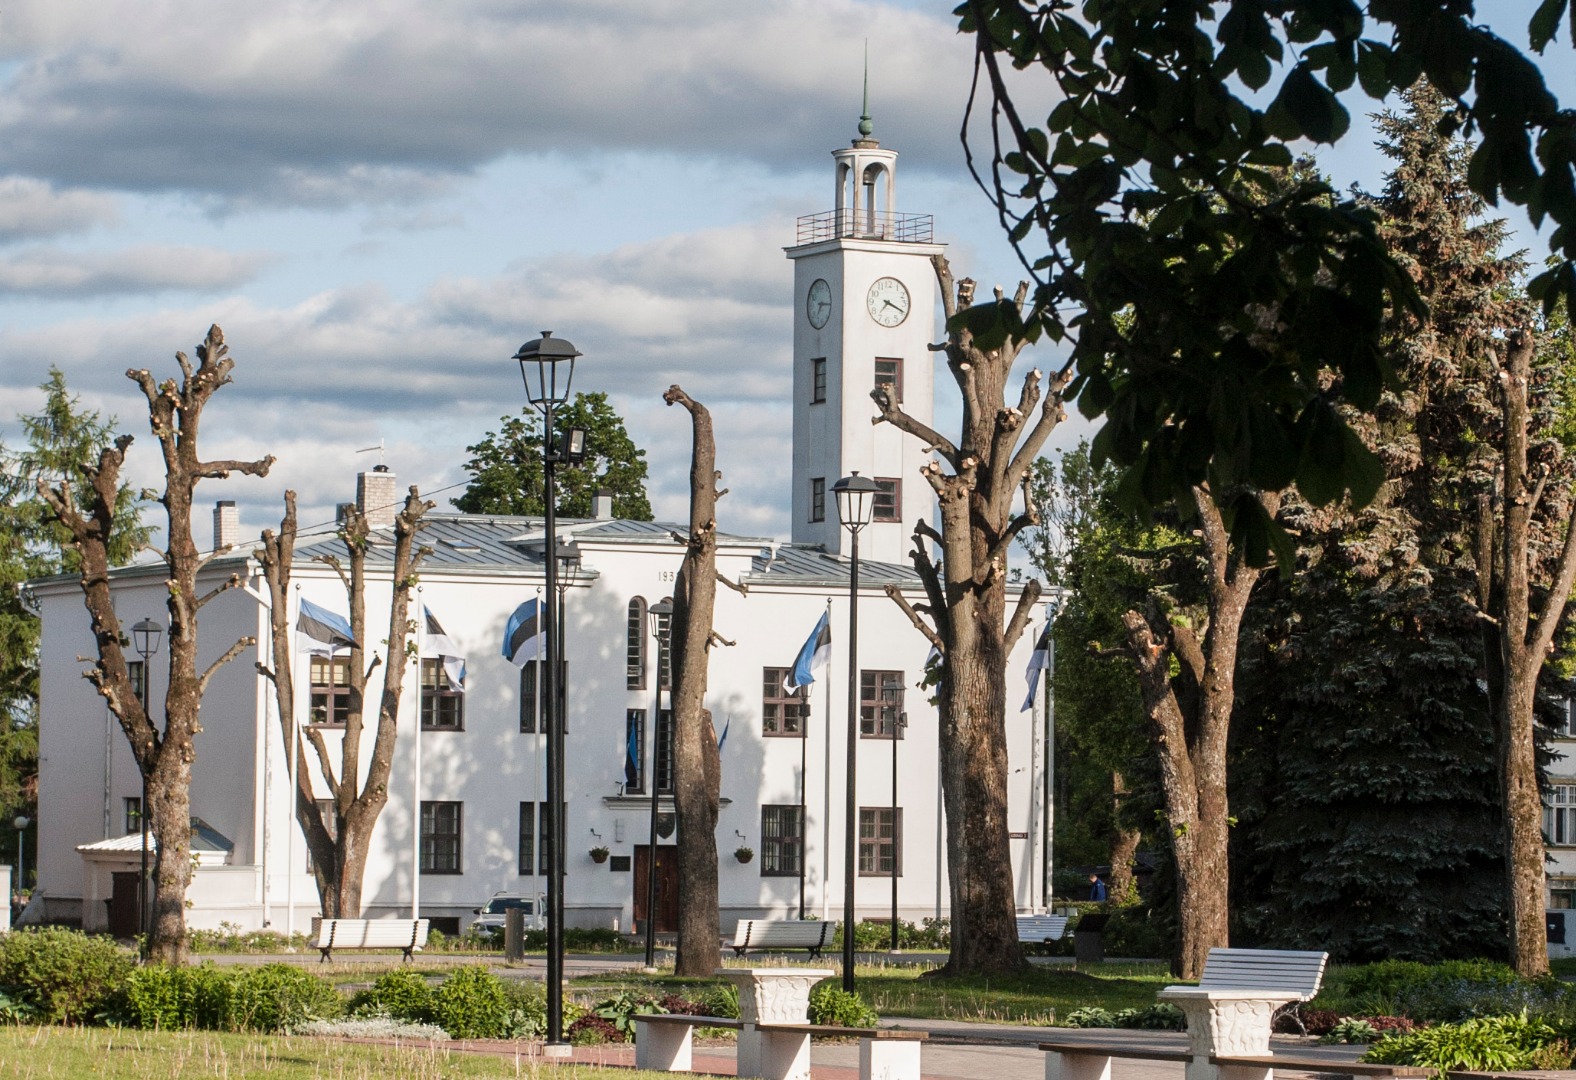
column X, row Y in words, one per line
column 1039, row 660
column 724, row 736
column 324, row 631
column 521, row 640
column 812, row 658
column 435, row 644
column 632, row 759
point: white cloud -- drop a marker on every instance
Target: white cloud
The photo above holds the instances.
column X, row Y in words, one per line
column 31, row 208
column 153, row 268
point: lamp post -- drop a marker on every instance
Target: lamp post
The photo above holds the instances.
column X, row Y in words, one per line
column 659, row 613
column 22, row 822
column 892, row 704
column 855, row 503
column 146, row 637
column 540, row 363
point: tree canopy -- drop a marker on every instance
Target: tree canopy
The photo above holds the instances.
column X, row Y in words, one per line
column 506, row 466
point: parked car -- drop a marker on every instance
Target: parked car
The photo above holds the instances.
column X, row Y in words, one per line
column 490, row 916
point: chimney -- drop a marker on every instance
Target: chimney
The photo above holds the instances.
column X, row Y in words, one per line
column 603, row 506
column 375, row 496
column 226, row 524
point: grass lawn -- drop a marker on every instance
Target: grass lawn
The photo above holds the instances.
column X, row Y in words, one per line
column 115, row 1054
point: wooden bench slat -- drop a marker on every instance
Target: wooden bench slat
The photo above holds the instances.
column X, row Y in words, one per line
column 811, row 934
column 407, row 935
column 692, row 1021
column 1092, row 1050
column 1326, row 1065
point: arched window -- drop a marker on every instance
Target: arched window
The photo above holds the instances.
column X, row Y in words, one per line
column 635, row 648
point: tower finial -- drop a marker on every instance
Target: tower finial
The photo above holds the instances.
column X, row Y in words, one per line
column 865, row 126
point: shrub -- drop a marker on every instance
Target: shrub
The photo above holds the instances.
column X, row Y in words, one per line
column 62, row 976
column 621, row 1010
column 1490, row 1043
column 589, row 1030
column 683, row 1006
column 1450, row 991
column 1314, row 1021
column 399, row 994
column 1161, row 1016
column 1351, row 1030
column 472, row 1004
column 1091, row 1016
column 527, row 1018
column 275, row 997
column 831, row 1004
column 1135, row 930
column 722, row 1000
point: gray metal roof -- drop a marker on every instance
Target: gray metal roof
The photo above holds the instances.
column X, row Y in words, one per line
column 804, row 564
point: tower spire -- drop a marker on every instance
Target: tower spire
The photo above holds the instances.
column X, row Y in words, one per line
column 865, row 125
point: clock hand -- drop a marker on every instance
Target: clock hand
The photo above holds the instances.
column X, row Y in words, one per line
column 890, row 304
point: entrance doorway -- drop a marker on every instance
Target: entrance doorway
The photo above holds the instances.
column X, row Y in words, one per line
column 667, row 887
column 123, row 904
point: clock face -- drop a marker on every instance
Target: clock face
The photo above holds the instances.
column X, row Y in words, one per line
column 818, row 303
column 887, row 301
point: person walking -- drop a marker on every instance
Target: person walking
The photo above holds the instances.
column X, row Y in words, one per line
column 1096, row 888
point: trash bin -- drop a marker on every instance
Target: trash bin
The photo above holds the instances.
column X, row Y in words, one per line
column 514, row 934
column 1088, row 940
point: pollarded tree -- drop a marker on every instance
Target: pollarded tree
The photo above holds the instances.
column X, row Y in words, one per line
column 506, row 466
column 977, row 480
column 338, row 830
column 165, row 757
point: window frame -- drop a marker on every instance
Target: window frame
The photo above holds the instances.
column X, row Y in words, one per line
column 635, row 644
column 896, row 381
column 332, row 699
column 635, row 719
column 817, row 499
column 442, row 706
column 889, row 489
column 529, row 676
column 137, row 673
column 872, row 843
column 1559, row 815
column 131, row 806
column 782, row 842
column 818, row 380
column 528, row 849
column 777, row 702
column 881, row 717
column 435, row 861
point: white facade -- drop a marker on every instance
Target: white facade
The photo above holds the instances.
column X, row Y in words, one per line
column 1559, row 831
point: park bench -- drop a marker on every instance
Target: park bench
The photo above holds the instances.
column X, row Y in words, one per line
column 812, row 934
column 664, row 1042
column 1263, row 1066
column 1041, row 929
column 407, row 935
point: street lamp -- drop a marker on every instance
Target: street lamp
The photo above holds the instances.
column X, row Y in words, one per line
column 855, row 503
column 546, row 363
column 146, row 637
column 660, row 615
column 892, row 705
column 22, row 822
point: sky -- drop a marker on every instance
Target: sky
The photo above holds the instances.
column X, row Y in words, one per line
column 379, row 202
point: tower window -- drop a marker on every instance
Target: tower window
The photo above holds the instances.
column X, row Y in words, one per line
column 889, row 377
column 888, row 502
column 635, row 646
column 818, row 381
column 818, row 498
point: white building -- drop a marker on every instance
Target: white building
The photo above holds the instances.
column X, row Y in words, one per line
column 864, row 312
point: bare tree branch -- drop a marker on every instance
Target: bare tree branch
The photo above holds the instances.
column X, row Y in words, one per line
column 231, row 582
column 897, row 597
column 1021, row 614
column 229, row 654
column 742, row 590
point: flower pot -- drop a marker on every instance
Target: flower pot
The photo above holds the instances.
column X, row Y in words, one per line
column 744, row 854
column 599, row 854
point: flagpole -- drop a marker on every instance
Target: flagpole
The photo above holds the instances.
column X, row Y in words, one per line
column 826, row 760
column 804, row 740
column 536, row 773
column 415, row 785
column 290, row 803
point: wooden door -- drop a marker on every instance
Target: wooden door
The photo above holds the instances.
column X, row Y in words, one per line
column 123, row 904
column 667, row 887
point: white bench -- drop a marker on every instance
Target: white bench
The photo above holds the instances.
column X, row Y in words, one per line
column 1041, row 929
column 812, row 934
column 1232, row 1009
column 665, row 1042
column 407, row 935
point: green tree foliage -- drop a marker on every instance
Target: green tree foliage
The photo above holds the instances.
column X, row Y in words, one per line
column 1151, row 153
column 1366, row 788
column 506, row 466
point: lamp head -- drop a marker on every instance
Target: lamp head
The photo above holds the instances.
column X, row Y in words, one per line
column 146, row 637
column 855, row 500
column 22, row 821
column 540, row 361
column 659, row 613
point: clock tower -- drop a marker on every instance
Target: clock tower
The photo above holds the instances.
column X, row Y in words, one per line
column 864, row 313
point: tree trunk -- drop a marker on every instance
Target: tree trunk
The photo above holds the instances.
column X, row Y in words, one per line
column 1523, row 827
column 697, row 767
column 1124, row 846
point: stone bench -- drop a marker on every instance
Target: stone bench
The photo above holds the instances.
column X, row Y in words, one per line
column 665, row 1043
column 1264, row 1066
column 811, row 934
column 407, row 935
column 1087, row 1061
column 1231, row 1011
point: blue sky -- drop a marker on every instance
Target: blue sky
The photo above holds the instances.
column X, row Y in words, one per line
column 380, row 202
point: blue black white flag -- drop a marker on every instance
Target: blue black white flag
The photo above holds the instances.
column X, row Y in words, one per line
column 324, row 631
column 728, row 723
column 632, row 758
column 435, row 644
column 1039, row 660
column 521, row 637
column 813, row 656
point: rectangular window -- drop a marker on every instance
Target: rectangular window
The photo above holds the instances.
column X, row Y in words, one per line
column 442, row 705
column 880, row 841
column 528, row 700
column 1565, row 723
column 137, row 672
column 818, row 381
column 889, row 377
column 881, row 704
column 818, row 498
column 782, row 841
column 635, row 645
column 887, row 503
column 1559, row 815
column 634, row 751
column 330, row 702
column 664, row 651
column 533, row 837
column 1562, row 893
column 441, row 823
column 133, row 807
column 665, row 752
column 782, row 712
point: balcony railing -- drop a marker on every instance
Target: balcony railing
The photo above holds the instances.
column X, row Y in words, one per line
column 862, row 225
